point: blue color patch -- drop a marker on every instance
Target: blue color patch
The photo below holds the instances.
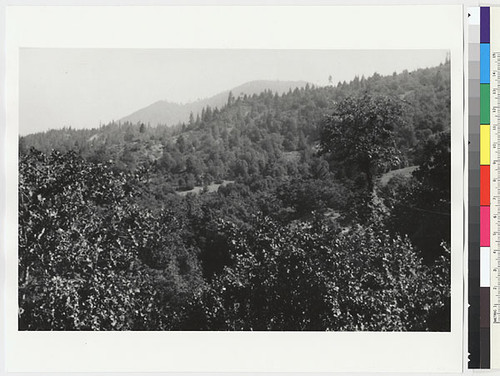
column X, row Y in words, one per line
column 484, row 61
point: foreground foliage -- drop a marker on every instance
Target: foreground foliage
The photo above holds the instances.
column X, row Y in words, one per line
column 313, row 278
column 91, row 259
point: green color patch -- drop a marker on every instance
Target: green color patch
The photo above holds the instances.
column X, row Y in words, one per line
column 485, row 103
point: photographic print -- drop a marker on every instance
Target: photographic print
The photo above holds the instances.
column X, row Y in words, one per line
column 234, row 190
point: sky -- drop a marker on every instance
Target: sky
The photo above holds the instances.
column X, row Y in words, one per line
column 83, row 88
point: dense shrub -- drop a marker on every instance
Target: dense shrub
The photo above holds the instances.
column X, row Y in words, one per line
column 89, row 258
column 314, row 278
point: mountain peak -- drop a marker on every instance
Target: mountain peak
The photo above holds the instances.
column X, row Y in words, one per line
column 170, row 113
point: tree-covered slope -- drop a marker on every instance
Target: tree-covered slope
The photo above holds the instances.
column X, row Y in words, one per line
column 302, row 235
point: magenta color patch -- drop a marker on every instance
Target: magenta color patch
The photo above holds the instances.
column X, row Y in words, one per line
column 485, row 226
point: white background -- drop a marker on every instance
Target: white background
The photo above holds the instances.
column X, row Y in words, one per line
column 315, row 27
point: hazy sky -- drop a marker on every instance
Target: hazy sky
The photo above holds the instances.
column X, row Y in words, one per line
column 84, row 87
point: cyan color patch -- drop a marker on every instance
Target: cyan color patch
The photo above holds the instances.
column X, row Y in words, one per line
column 485, row 63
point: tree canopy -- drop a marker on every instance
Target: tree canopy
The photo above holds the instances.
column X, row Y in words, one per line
column 361, row 132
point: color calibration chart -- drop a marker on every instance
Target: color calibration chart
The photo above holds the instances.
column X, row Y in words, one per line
column 484, row 187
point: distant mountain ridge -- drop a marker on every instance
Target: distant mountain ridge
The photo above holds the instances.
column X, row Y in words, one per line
column 168, row 113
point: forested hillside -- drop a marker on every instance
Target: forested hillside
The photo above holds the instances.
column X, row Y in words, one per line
column 167, row 113
column 334, row 215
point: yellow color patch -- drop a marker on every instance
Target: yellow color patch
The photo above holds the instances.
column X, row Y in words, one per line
column 484, row 147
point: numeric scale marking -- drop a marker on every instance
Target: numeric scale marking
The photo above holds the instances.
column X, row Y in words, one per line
column 495, row 192
column 495, row 205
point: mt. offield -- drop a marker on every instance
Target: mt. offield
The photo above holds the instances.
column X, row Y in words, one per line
column 168, row 113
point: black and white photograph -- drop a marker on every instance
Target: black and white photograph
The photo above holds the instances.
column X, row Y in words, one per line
column 234, row 190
